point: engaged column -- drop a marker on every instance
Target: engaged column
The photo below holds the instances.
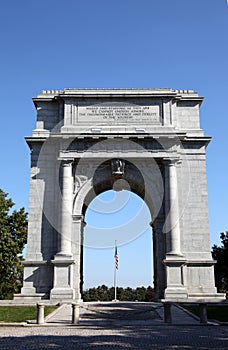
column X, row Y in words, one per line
column 66, row 209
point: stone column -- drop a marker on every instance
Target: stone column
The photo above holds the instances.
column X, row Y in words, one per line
column 174, row 261
column 78, row 234
column 66, row 210
column 172, row 208
column 63, row 261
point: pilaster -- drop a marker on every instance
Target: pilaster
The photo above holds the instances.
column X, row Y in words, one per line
column 77, row 249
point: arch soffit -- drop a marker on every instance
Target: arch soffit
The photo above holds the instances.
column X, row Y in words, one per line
column 88, row 192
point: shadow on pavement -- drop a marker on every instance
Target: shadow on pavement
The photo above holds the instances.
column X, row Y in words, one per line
column 159, row 338
column 119, row 311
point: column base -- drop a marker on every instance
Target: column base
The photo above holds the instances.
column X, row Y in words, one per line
column 176, row 293
column 172, row 255
column 63, row 256
column 63, row 271
column 207, row 297
column 62, row 294
column 175, row 290
column 30, row 297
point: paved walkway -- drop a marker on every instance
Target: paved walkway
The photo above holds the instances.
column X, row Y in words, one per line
column 119, row 326
column 120, row 313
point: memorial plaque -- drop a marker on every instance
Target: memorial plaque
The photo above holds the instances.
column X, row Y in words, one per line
column 118, row 113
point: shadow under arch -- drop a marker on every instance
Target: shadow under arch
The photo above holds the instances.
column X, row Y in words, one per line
column 148, row 186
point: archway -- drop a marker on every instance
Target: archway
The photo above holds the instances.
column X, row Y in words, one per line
column 131, row 180
column 147, row 141
column 124, row 216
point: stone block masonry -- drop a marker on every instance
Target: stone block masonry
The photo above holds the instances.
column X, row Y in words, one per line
column 80, row 136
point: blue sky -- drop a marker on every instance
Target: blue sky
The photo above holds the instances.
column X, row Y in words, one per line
column 55, row 44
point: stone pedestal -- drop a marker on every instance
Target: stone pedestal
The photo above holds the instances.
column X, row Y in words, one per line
column 175, row 289
column 63, row 270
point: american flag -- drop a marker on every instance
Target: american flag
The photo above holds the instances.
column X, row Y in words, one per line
column 116, row 258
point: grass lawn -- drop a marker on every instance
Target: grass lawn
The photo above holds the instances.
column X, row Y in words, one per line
column 214, row 312
column 10, row 314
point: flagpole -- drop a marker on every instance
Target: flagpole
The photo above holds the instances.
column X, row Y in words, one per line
column 115, row 283
column 115, row 299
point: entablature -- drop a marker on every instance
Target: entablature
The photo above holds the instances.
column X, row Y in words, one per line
column 123, row 110
column 71, row 155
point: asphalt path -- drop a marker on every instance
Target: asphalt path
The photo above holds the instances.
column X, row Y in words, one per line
column 126, row 326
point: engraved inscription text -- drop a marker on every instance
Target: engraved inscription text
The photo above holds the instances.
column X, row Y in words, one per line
column 132, row 113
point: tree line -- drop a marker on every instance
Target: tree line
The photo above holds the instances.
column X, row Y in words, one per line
column 220, row 254
column 13, row 237
column 104, row 293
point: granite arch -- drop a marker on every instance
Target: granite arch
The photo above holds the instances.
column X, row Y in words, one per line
column 87, row 139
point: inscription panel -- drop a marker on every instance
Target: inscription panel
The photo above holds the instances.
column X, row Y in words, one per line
column 118, row 113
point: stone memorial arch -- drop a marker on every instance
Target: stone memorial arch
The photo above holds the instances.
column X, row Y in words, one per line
column 88, row 141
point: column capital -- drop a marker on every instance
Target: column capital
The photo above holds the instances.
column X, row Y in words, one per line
column 66, row 162
column 171, row 161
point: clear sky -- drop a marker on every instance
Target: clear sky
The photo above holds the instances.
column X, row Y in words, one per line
column 51, row 44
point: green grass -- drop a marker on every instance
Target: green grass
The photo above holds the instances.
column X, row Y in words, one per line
column 12, row 314
column 214, row 312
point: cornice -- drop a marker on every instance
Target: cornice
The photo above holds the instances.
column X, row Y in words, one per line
column 51, row 95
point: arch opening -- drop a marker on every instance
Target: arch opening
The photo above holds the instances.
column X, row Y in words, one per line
column 124, row 217
column 133, row 179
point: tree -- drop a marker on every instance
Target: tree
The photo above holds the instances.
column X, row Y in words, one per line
column 220, row 254
column 86, row 296
column 149, row 294
column 104, row 293
column 93, row 295
column 111, row 293
column 127, row 294
column 140, row 293
column 13, row 237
